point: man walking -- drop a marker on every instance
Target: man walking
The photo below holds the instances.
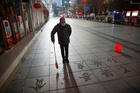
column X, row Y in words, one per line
column 63, row 31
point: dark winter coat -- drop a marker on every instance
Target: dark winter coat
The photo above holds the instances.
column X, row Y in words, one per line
column 62, row 32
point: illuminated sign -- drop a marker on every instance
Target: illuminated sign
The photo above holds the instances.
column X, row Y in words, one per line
column 135, row 13
column 80, row 13
column 128, row 13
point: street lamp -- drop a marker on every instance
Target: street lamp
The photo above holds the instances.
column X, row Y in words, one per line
column 70, row 2
column 67, row 2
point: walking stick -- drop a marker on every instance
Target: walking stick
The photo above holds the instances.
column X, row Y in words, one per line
column 56, row 64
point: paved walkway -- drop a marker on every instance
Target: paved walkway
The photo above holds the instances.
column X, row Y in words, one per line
column 94, row 66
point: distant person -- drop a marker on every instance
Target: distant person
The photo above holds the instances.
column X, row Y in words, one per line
column 63, row 31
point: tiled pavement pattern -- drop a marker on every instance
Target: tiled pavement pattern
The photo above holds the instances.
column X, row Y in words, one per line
column 94, row 66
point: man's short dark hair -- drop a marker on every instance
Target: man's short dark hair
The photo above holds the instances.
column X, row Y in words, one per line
column 62, row 18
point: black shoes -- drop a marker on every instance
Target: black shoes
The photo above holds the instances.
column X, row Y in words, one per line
column 63, row 61
column 66, row 60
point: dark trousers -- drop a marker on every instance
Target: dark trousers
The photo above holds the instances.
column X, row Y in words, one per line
column 64, row 51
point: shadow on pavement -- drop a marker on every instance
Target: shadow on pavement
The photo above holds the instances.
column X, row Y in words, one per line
column 70, row 84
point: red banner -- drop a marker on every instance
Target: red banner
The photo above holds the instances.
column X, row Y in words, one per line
column 84, row 2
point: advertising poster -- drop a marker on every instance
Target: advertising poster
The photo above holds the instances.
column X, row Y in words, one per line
column 16, row 31
column 21, row 27
column 25, row 15
column 8, row 32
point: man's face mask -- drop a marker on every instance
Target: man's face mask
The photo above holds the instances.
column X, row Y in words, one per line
column 63, row 24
